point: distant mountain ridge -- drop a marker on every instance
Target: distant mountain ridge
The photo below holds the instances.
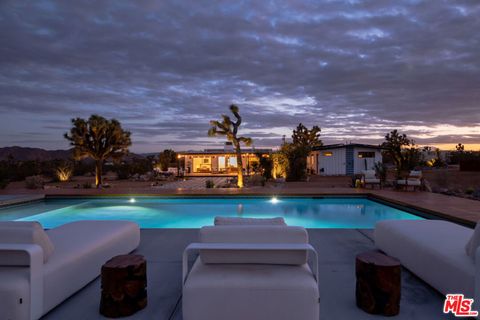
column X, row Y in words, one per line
column 26, row 154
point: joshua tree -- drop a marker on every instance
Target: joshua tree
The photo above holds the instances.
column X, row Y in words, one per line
column 166, row 158
column 99, row 139
column 228, row 128
column 402, row 150
column 303, row 142
column 307, row 138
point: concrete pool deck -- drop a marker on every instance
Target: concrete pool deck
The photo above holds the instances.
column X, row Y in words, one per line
column 336, row 249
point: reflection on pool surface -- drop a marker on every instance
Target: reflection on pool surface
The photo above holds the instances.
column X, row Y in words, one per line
column 194, row 212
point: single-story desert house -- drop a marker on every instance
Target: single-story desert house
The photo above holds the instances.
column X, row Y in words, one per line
column 343, row 159
column 219, row 162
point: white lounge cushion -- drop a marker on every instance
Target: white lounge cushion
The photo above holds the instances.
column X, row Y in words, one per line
column 253, row 292
column 254, row 234
column 474, row 242
column 409, row 182
column 369, row 174
column 26, row 232
column 433, row 250
column 228, row 221
column 81, row 248
column 372, row 181
column 414, row 182
column 415, row 173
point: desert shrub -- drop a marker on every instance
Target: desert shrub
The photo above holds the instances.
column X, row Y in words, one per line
column 257, row 180
column 298, row 165
column 83, row 167
column 381, row 171
column 122, row 170
column 469, row 191
column 265, row 165
column 64, row 173
column 209, row 184
column 34, row 182
column 3, row 183
column 135, row 167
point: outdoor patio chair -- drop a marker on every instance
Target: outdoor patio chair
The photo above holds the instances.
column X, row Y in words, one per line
column 253, row 272
column 443, row 254
column 369, row 177
column 414, row 179
column 40, row 269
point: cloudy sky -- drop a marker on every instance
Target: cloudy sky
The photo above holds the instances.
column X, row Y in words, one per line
column 165, row 68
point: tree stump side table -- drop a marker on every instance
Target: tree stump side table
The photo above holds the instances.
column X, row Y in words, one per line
column 124, row 282
column 378, row 287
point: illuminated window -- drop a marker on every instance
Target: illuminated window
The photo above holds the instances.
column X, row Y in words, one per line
column 365, row 154
column 328, row 154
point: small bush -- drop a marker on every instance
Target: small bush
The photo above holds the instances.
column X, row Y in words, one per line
column 257, row 180
column 64, row 173
column 3, row 183
column 123, row 171
column 34, row 182
column 209, row 184
column 469, row 191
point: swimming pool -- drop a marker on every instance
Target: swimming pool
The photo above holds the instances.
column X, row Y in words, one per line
column 195, row 212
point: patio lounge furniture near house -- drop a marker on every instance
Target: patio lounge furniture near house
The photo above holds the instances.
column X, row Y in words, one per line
column 436, row 252
column 40, row 269
column 414, row 179
column 253, row 272
column 369, row 177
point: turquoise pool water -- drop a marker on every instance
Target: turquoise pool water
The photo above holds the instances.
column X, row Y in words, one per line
column 194, row 212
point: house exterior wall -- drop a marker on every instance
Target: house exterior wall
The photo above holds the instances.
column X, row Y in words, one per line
column 361, row 164
column 331, row 162
column 342, row 161
column 202, row 164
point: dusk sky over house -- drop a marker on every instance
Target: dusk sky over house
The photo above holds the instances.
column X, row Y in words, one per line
column 358, row 69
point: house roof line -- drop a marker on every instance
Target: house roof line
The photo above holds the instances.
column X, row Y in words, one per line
column 350, row 145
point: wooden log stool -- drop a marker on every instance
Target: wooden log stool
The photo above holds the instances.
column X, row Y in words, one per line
column 378, row 286
column 124, row 282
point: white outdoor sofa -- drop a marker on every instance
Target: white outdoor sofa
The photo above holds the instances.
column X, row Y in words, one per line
column 435, row 251
column 369, row 177
column 414, row 179
column 38, row 269
column 253, row 272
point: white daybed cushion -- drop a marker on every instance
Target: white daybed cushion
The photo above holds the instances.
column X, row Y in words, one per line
column 369, row 174
column 228, row 221
column 415, row 173
column 81, row 248
column 241, row 292
column 26, row 232
column 432, row 249
column 474, row 242
column 254, row 234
